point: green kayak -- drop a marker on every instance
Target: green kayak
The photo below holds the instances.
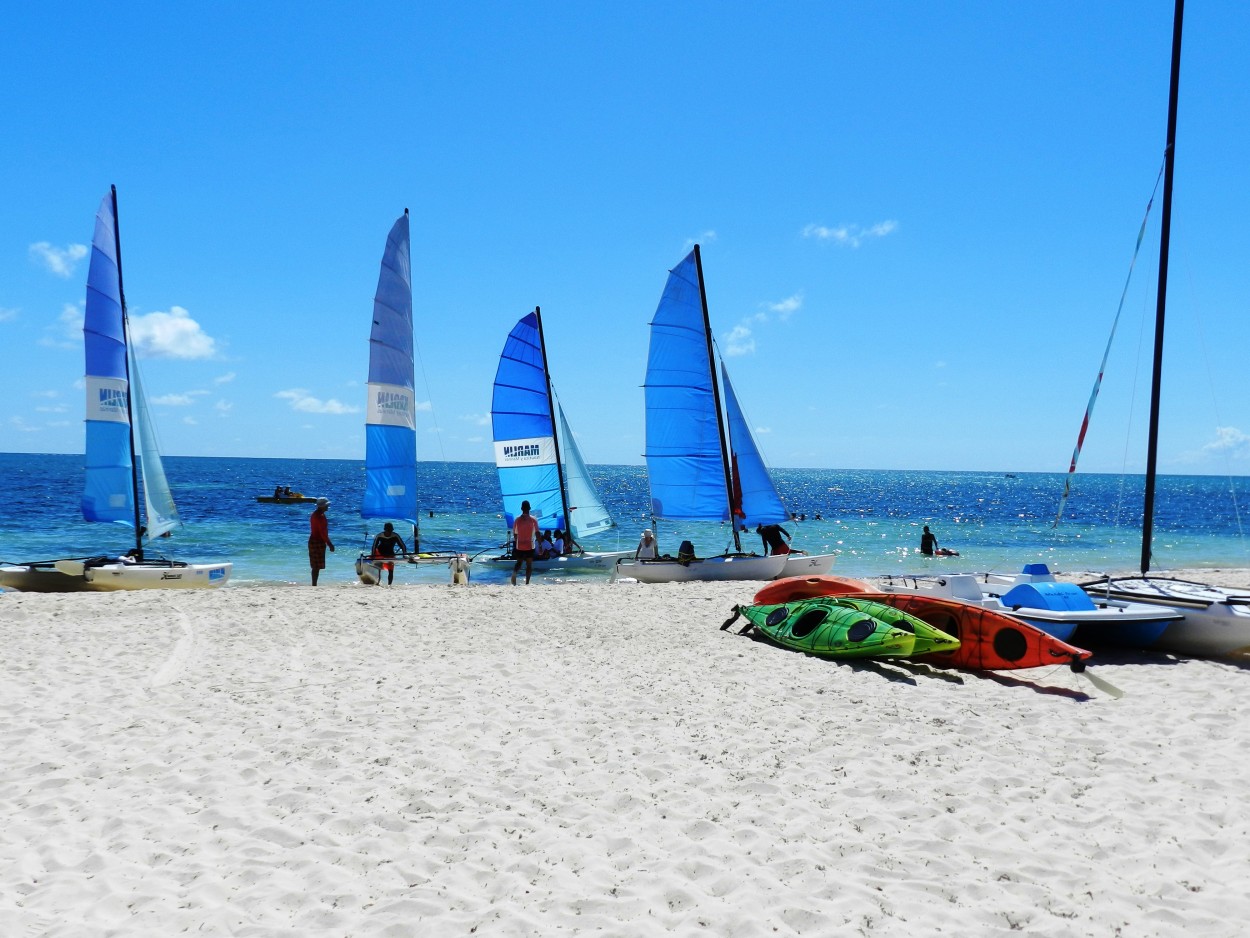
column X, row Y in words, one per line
column 842, row 627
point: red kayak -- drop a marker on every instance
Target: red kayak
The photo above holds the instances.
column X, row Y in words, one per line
column 989, row 640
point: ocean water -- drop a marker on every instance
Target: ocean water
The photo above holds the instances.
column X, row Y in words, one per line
column 870, row 519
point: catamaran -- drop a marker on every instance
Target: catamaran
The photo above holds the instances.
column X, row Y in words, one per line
column 1215, row 622
column 116, row 409
column 390, row 416
column 538, row 459
column 702, row 461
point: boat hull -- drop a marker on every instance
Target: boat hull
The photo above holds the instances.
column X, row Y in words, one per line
column 1215, row 622
column 801, row 563
column 285, row 500
column 728, row 567
column 589, row 562
column 75, row 576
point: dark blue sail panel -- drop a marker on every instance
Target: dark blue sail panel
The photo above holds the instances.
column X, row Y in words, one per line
column 108, row 494
column 685, row 468
column 525, row 452
column 760, row 502
column 390, row 421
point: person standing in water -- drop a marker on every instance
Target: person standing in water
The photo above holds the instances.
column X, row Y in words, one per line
column 928, row 542
column 524, row 531
column 318, row 538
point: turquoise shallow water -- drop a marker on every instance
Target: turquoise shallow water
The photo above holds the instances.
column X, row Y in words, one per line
column 870, row 519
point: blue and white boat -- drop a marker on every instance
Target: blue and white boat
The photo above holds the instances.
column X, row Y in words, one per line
column 702, row 461
column 538, row 459
column 117, row 413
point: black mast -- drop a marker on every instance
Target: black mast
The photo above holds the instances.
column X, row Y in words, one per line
column 1169, row 160
column 130, row 411
column 555, row 430
column 720, row 418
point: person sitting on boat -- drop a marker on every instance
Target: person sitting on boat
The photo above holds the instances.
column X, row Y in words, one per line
column 557, row 543
column 647, row 548
column 928, row 542
column 542, row 545
column 286, row 491
column 771, row 535
column 277, row 491
column 383, row 552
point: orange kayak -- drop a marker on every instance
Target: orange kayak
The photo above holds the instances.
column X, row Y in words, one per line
column 988, row 640
column 791, row 588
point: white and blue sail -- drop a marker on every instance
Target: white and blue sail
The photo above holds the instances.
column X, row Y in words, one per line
column 754, row 493
column 390, row 422
column 115, row 399
column 535, row 453
column 587, row 513
column 691, row 474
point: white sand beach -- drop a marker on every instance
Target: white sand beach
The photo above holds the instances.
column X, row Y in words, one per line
column 589, row 757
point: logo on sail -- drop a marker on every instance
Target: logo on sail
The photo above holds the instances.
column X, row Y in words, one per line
column 391, row 405
column 112, row 400
column 107, row 399
column 536, row 451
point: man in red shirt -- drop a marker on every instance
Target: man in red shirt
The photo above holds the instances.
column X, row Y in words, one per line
column 524, row 530
column 318, row 538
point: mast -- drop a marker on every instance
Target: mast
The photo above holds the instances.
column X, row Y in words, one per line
column 130, row 412
column 1169, row 160
column 555, row 430
column 720, row 417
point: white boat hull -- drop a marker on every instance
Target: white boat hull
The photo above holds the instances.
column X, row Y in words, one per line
column 1215, row 623
column 75, row 576
column 728, row 567
column 589, row 562
column 800, row 563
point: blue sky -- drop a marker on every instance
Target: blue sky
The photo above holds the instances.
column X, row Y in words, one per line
column 916, row 218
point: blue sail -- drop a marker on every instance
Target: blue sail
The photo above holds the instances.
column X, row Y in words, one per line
column 525, row 450
column 109, row 491
column 390, row 421
column 754, row 490
column 685, row 467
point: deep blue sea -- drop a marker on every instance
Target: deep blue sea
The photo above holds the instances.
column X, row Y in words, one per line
column 870, row 519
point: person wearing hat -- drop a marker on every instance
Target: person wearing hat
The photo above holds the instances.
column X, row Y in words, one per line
column 525, row 534
column 384, row 551
column 319, row 538
column 647, row 549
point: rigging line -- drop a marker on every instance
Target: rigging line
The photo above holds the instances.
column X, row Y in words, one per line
column 1196, row 318
column 1102, row 368
column 416, row 348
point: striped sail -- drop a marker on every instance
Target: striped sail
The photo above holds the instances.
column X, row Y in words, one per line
column 587, row 513
column 685, row 467
column 390, row 421
column 108, row 494
column 525, row 445
column 754, row 490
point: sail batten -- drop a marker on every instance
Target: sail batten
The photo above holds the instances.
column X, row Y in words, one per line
column 390, row 418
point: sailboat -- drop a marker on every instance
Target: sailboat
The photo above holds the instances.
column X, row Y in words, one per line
column 116, row 413
column 390, row 415
column 538, row 459
column 702, row 461
column 1215, row 621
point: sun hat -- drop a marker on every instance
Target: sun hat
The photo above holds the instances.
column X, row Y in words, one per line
column 323, row 502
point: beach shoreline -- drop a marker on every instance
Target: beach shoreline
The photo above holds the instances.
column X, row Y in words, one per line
column 590, row 756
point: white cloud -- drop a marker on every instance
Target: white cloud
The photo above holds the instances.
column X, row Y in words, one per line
column 173, row 400
column 66, row 332
column 7, row 314
column 739, row 341
column 1229, row 440
column 224, row 379
column 51, row 409
column 60, row 261
column 785, row 307
column 223, row 407
column 423, row 407
column 851, row 236
column 301, row 400
column 705, row 238
column 171, row 335
column 190, row 421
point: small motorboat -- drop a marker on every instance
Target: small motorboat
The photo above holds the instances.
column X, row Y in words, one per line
column 286, row 498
